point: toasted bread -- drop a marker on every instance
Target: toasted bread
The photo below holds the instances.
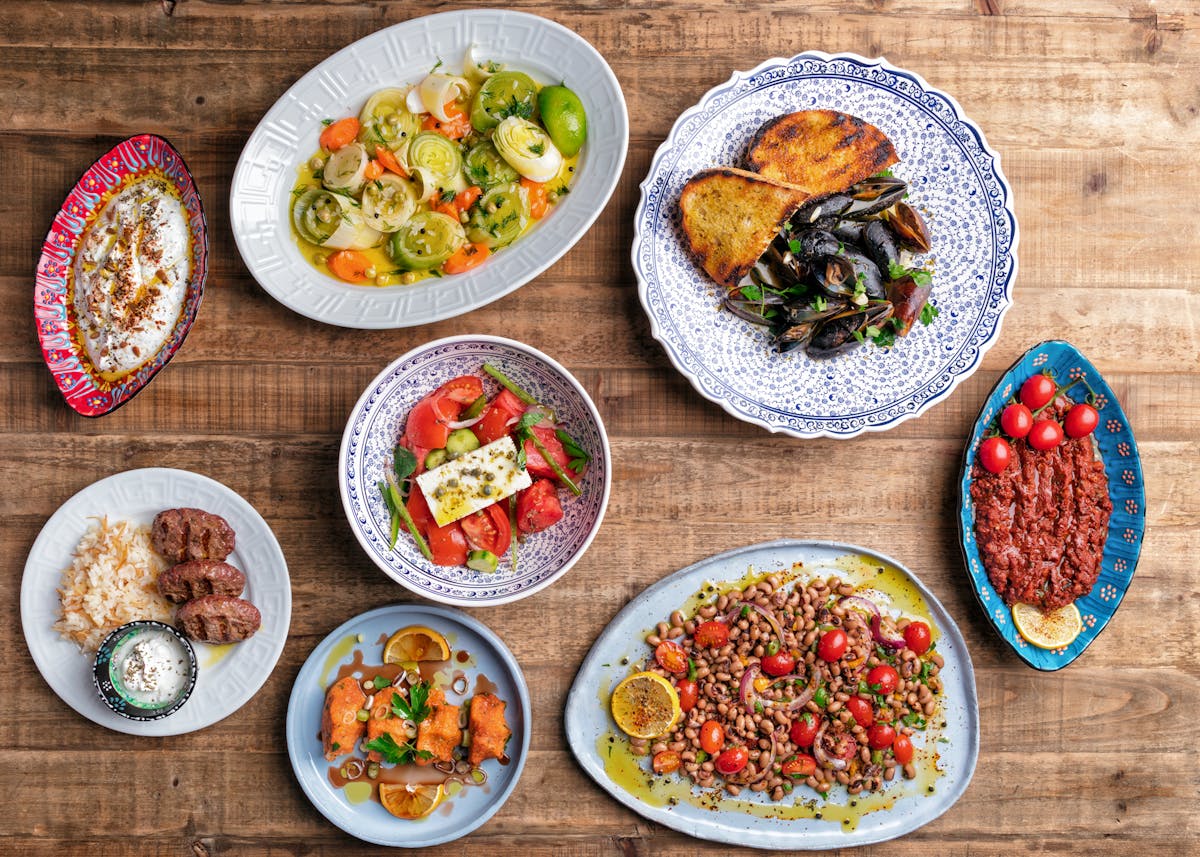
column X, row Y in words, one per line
column 730, row 217
column 822, row 151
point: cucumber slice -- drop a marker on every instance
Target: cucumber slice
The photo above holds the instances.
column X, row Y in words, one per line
column 427, row 240
column 461, row 441
column 505, row 93
column 385, row 120
column 436, row 153
column 484, row 561
column 484, row 167
column 435, row 458
column 499, row 216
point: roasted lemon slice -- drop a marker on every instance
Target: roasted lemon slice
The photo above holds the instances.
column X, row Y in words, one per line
column 645, row 705
column 415, row 643
column 410, row 800
column 1051, row 630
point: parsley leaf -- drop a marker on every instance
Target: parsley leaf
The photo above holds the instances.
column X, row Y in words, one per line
column 752, row 292
column 396, row 754
column 794, row 245
column 819, row 304
column 326, row 122
column 928, row 313
column 415, row 707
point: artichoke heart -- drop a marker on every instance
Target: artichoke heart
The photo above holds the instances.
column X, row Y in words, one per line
column 528, row 149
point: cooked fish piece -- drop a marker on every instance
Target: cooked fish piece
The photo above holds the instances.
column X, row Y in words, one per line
column 341, row 730
column 438, row 734
column 383, row 721
column 730, row 216
column 489, row 732
column 822, row 151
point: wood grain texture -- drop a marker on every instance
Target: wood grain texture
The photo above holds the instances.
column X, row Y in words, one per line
column 1095, row 109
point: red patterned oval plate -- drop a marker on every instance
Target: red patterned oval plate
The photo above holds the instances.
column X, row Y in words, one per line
column 130, row 160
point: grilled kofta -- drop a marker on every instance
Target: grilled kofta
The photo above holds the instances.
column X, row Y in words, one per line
column 198, row 578
column 188, row 534
column 218, row 619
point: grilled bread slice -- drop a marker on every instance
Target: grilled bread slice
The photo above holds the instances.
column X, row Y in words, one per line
column 822, row 151
column 730, row 217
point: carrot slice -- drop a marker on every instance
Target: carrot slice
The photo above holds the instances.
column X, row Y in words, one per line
column 387, row 157
column 340, row 133
column 466, row 257
column 539, row 200
column 349, row 265
column 373, row 171
column 458, row 127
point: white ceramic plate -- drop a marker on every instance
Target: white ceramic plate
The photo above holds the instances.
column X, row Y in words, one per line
column 228, row 676
column 463, row 812
column 260, row 198
column 376, row 423
column 955, row 180
column 588, row 722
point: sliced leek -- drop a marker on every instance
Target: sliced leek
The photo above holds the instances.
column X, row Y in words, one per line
column 426, row 241
column 477, row 72
column 346, row 169
column 437, row 90
column 386, row 120
column 500, row 216
column 388, row 202
column 331, row 220
column 506, row 93
column 484, row 167
column 436, row 153
column 425, row 184
column 528, row 149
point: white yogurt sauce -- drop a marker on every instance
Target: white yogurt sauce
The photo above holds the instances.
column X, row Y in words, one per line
column 153, row 668
column 130, row 276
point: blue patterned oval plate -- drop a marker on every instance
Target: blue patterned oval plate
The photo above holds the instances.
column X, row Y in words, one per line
column 376, row 423
column 1118, row 451
column 956, row 182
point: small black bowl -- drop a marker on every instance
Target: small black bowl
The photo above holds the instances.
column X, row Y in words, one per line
column 106, row 673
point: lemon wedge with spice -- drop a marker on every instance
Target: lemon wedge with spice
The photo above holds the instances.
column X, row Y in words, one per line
column 645, row 705
column 414, row 644
column 1051, row 630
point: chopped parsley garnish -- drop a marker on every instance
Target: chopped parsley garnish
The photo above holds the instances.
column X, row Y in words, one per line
column 928, row 313
column 326, row 122
column 396, row 754
column 538, row 148
column 414, row 708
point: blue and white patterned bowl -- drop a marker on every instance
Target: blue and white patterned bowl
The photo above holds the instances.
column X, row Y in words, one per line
column 1118, row 451
column 377, row 421
column 956, row 182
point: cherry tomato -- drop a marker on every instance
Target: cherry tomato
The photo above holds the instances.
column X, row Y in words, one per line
column 1037, row 391
column 917, row 637
column 832, row 646
column 883, row 679
column 536, row 463
column 780, row 663
column 1016, row 420
column 902, row 749
column 688, row 692
column 799, row 766
column 712, row 634
column 712, row 737
column 732, row 760
column 448, row 544
column 496, row 417
column 671, row 656
column 666, row 762
column 1045, row 434
column 862, row 710
column 427, row 421
column 538, row 507
column 1081, row 420
column 489, row 529
column 995, row 454
column 804, row 731
column 880, row 736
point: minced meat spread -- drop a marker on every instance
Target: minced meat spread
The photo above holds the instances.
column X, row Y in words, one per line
column 1042, row 522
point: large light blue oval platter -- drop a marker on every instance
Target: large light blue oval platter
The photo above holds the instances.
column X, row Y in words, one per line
column 458, row 815
column 955, row 180
column 588, row 720
column 1118, row 451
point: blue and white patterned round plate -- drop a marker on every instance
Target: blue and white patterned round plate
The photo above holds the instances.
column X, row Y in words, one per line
column 1118, row 451
column 955, row 181
column 377, row 421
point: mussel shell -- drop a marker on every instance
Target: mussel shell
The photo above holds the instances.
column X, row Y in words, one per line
column 849, row 231
column 880, row 245
column 909, row 227
column 836, row 275
column 800, row 312
column 872, row 278
column 746, row 310
column 836, row 334
column 873, row 195
column 815, row 243
column 822, row 211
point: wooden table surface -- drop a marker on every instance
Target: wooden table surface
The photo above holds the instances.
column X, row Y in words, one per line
column 1093, row 106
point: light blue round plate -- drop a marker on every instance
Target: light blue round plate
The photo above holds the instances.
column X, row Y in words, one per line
column 1118, row 451
column 376, row 423
column 955, row 181
column 369, row 821
column 622, row 643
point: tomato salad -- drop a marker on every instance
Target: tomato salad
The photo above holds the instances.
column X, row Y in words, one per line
column 459, row 449
column 781, row 687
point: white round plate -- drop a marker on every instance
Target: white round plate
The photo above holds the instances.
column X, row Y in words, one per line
column 458, row 815
column 955, row 181
column 588, row 722
column 259, row 204
column 228, row 676
column 376, row 423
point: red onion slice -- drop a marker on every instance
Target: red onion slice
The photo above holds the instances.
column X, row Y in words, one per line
column 458, row 424
column 736, row 613
column 832, row 759
column 888, row 637
column 746, row 688
column 861, row 604
column 750, row 698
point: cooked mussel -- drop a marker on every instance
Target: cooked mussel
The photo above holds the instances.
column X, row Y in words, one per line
column 880, row 245
column 873, row 195
column 909, row 227
column 837, row 334
column 811, row 244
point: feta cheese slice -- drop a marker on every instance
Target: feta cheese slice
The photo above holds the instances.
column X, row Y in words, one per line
column 473, row 481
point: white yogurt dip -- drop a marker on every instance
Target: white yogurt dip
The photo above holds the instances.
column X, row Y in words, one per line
column 152, row 668
column 130, row 276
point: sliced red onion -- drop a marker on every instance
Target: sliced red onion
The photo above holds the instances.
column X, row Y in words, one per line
column 512, row 422
column 458, row 424
column 834, row 761
column 750, row 697
column 882, row 637
column 736, row 613
column 861, row 604
column 746, row 688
